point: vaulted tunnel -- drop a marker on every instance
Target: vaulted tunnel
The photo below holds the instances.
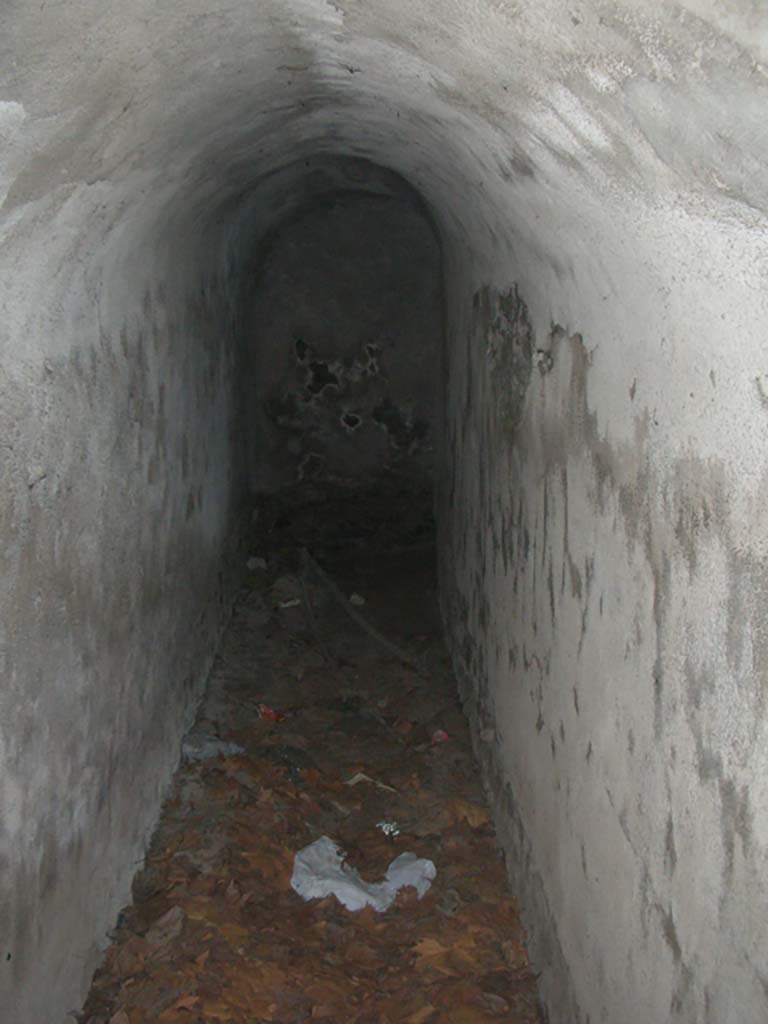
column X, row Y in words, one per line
column 344, row 332
column 582, row 194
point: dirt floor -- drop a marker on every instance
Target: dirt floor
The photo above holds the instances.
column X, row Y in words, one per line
column 351, row 730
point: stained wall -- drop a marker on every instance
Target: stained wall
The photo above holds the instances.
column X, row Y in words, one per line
column 346, row 327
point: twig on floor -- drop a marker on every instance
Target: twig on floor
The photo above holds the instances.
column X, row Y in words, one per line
column 313, row 627
column 309, row 563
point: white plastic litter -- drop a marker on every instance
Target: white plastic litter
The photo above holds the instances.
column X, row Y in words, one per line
column 256, row 563
column 357, row 599
column 319, row 870
column 200, row 746
column 389, row 828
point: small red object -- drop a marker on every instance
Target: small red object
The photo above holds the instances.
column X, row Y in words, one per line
column 440, row 736
column 269, row 714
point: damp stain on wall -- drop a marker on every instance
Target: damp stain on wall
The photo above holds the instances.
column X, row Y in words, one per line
column 346, row 336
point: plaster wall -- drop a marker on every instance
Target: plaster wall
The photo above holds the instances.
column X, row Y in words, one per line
column 102, row 452
column 597, row 175
column 609, row 623
column 118, row 520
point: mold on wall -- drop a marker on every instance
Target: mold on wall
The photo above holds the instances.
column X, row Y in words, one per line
column 120, row 527
column 347, row 325
column 509, row 354
column 604, row 600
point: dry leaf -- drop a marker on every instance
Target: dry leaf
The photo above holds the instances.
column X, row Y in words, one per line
column 235, row 934
column 430, row 947
column 420, row 1016
column 188, row 1002
column 514, row 954
column 243, row 948
column 166, row 928
column 473, row 814
column 496, row 1004
column 467, row 1015
column 129, row 957
column 218, row 1010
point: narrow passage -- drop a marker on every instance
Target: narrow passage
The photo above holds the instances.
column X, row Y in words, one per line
column 312, row 727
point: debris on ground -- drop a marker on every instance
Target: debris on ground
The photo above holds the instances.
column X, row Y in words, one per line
column 201, row 746
column 217, row 933
column 389, row 828
column 321, row 870
column 312, row 567
column 359, row 777
column 269, row 714
column 286, row 592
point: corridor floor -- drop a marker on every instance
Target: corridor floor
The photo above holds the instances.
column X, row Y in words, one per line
column 342, row 738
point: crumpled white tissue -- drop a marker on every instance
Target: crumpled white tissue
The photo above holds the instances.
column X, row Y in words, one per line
column 319, row 870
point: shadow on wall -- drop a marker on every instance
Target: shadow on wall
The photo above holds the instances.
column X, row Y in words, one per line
column 346, row 334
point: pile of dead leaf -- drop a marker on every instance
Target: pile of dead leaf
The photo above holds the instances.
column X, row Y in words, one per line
column 216, row 933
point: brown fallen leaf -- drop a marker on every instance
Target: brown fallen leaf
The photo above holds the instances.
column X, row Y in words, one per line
column 128, row 958
column 430, row 947
column 496, row 1004
column 174, row 1012
column 468, row 1015
column 434, row 815
column 325, row 993
column 166, row 928
column 473, row 814
column 121, row 1017
column 219, row 1010
column 421, row 1016
column 248, row 950
column 156, row 993
column 234, row 933
column 186, row 1003
column 514, row 953
column 433, row 955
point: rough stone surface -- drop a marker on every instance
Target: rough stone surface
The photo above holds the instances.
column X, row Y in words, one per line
column 604, row 565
